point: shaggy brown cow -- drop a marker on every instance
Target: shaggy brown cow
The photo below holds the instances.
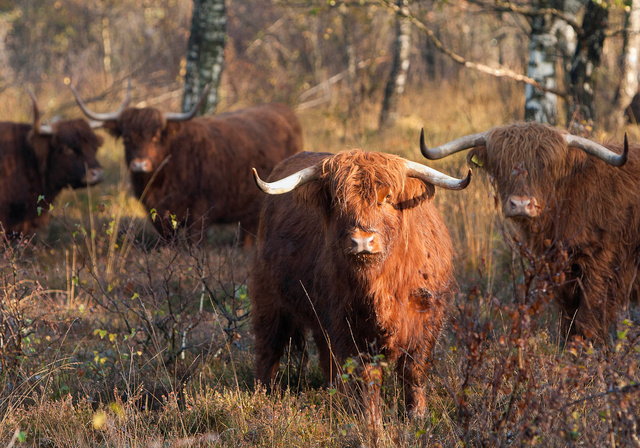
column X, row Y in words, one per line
column 37, row 162
column 568, row 193
column 195, row 172
column 359, row 255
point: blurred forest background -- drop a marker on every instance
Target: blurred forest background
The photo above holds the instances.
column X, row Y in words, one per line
column 307, row 54
column 110, row 338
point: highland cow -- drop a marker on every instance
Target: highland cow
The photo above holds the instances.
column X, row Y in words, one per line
column 572, row 197
column 37, row 161
column 352, row 249
column 194, row 172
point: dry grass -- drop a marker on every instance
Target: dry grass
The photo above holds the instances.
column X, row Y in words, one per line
column 113, row 339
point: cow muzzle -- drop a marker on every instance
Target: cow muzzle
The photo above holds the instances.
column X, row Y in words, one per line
column 365, row 243
column 93, row 176
column 140, row 165
column 521, row 206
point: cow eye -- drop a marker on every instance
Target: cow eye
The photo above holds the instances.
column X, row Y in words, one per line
column 67, row 151
column 384, row 195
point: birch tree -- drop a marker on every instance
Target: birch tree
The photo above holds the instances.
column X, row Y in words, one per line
column 551, row 37
column 399, row 67
column 628, row 64
column 581, row 110
column 205, row 54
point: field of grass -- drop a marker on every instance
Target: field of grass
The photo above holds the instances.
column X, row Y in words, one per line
column 111, row 338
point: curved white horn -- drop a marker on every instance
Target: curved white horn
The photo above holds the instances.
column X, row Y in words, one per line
column 460, row 144
column 183, row 116
column 289, row 183
column 435, row 177
column 108, row 116
column 37, row 127
column 599, row 151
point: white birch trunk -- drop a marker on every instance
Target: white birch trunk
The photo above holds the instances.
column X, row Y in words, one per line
column 399, row 69
column 205, row 54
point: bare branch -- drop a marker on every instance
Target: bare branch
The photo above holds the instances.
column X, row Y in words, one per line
column 496, row 72
column 531, row 12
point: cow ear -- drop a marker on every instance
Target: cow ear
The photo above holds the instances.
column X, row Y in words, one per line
column 172, row 128
column 41, row 145
column 314, row 195
column 415, row 192
column 477, row 156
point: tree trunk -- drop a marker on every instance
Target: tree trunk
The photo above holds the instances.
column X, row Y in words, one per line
column 205, row 54
column 628, row 66
column 581, row 111
column 399, row 68
column 550, row 37
column 542, row 106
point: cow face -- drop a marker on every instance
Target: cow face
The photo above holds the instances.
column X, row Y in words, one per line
column 144, row 133
column 363, row 197
column 527, row 164
column 68, row 155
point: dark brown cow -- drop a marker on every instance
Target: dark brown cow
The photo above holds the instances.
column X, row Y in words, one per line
column 37, row 162
column 359, row 255
column 568, row 192
column 195, row 172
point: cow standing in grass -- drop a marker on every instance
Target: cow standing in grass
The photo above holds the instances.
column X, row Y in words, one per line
column 194, row 172
column 568, row 195
column 351, row 247
column 37, row 161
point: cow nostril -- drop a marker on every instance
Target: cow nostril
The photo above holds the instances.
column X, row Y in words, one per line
column 140, row 165
column 362, row 244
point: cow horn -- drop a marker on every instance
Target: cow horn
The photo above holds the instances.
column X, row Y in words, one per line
column 108, row 116
column 466, row 142
column 184, row 116
column 599, row 151
column 435, row 177
column 37, row 127
column 289, row 183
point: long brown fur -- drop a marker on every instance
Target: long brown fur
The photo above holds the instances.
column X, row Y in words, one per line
column 34, row 168
column 202, row 167
column 588, row 207
column 304, row 277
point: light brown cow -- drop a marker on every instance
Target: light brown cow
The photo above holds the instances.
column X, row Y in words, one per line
column 351, row 247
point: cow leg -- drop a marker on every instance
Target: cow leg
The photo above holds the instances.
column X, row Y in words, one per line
column 330, row 369
column 371, row 397
column 297, row 356
column 412, row 373
column 272, row 330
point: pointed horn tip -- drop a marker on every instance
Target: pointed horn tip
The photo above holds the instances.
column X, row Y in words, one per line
column 423, row 146
column 625, row 152
column 467, row 180
column 257, row 179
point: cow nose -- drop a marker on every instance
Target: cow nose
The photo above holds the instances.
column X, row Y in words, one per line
column 139, row 165
column 94, row 176
column 363, row 243
column 522, row 206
